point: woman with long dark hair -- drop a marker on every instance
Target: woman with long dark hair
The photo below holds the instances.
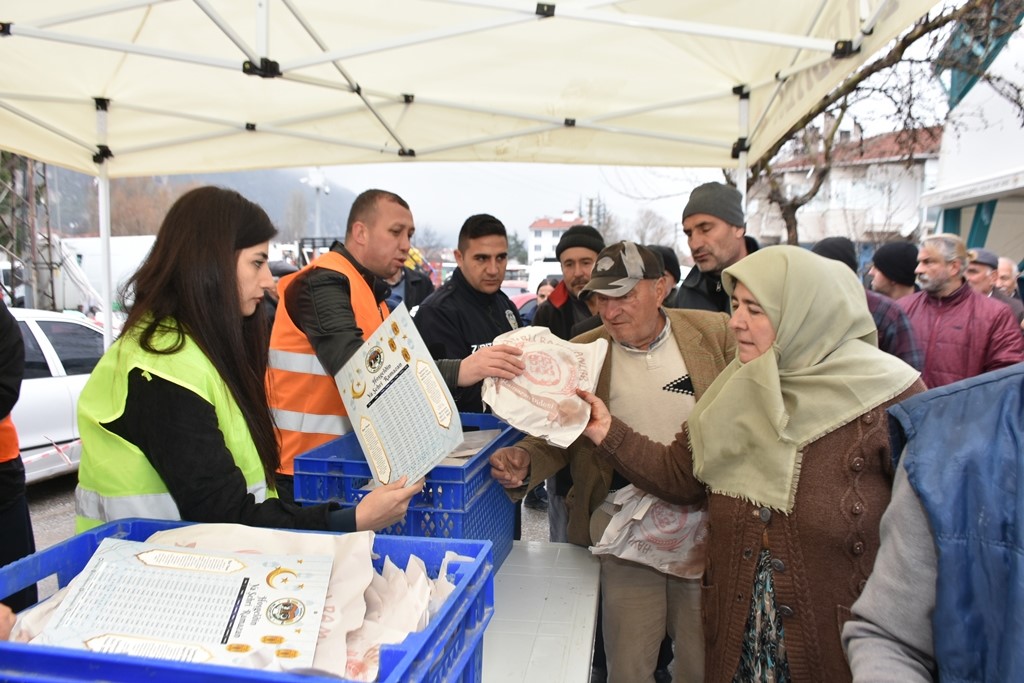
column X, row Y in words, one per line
column 174, row 418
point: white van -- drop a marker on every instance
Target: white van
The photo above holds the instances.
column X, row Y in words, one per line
column 7, row 277
column 542, row 270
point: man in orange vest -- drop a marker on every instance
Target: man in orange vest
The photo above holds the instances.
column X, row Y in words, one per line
column 326, row 311
column 16, row 539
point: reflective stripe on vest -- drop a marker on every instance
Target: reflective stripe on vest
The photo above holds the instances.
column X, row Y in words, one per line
column 8, row 440
column 93, row 508
column 311, row 424
column 296, row 362
column 115, row 478
column 303, row 398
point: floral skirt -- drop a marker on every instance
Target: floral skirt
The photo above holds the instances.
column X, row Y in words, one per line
column 763, row 659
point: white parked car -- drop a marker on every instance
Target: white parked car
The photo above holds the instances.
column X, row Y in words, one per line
column 61, row 349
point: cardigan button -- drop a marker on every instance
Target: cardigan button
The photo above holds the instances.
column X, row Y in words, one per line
column 778, row 565
column 857, row 508
column 857, row 464
column 860, row 586
column 785, row 610
column 858, row 548
column 868, row 418
column 765, row 514
column 748, row 553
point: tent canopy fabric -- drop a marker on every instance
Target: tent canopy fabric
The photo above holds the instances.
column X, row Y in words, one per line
column 152, row 87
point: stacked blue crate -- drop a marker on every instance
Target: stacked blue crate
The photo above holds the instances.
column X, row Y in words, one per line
column 458, row 501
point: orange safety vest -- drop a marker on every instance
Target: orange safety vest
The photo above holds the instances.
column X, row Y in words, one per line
column 303, row 398
column 8, row 440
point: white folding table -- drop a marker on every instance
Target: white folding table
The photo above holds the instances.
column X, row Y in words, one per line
column 545, row 613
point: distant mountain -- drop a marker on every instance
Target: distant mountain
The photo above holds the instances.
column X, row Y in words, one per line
column 277, row 190
column 289, row 202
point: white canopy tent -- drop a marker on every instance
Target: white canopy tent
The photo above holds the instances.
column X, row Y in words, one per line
column 148, row 87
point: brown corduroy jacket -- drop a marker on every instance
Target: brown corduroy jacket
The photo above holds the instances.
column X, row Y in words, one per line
column 822, row 553
column 707, row 346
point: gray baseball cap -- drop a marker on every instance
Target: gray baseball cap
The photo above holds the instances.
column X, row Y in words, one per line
column 620, row 267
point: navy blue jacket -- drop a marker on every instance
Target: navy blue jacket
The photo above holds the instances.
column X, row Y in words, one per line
column 457, row 320
column 965, row 461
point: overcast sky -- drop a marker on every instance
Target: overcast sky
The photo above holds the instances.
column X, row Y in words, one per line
column 443, row 195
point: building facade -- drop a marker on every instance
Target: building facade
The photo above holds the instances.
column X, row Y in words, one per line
column 545, row 233
column 871, row 195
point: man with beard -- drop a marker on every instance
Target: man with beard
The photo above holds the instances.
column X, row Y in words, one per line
column 577, row 251
column 716, row 232
column 962, row 332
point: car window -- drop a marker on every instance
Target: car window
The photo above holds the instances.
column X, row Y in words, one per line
column 79, row 347
column 35, row 361
column 528, row 310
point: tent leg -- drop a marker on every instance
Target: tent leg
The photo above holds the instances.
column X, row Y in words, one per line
column 106, row 287
column 742, row 163
column 103, row 205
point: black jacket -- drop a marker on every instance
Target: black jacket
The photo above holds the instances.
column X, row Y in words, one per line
column 704, row 291
column 12, row 369
column 457, row 320
column 560, row 312
column 12, row 361
column 417, row 288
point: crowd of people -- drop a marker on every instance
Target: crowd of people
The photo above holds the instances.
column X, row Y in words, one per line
column 790, row 369
column 846, row 455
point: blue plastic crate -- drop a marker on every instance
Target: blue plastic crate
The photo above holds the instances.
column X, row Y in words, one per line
column 337, row 471
column 490, row 516
column 458, row 501
column 449, row 649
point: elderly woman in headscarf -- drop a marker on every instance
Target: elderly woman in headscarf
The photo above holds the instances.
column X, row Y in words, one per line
column 790, row 447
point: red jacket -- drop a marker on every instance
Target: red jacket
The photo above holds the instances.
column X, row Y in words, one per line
column 963, row 335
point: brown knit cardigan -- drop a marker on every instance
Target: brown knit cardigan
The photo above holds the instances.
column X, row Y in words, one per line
column 822, row 553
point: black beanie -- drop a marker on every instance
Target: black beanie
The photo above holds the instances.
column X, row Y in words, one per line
column 897, row 261
column 668, row 258
column 838, row 249
column 580, row 236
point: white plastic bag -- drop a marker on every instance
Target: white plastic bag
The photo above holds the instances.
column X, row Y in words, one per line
column 542, row 401
column 647, row 530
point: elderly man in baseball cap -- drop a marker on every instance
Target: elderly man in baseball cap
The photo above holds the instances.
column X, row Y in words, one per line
column 659, row 363
column 982, row 275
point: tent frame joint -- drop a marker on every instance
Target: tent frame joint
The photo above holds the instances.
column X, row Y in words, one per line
column 5, row 28
column 250, row 127
column 845, row 48
column 267, row 68
column 406, row 152
column 545, row 9
column 408, row 98
column 742, row 92
column 102, row 154
column 741, row 145
column 570, row 123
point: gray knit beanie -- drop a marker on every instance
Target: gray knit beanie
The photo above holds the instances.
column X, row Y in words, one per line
column 718, row 200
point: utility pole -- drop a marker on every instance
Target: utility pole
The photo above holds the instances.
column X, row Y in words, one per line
column 30, row 197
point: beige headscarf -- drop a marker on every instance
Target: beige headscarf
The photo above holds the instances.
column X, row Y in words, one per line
column 824, row 370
